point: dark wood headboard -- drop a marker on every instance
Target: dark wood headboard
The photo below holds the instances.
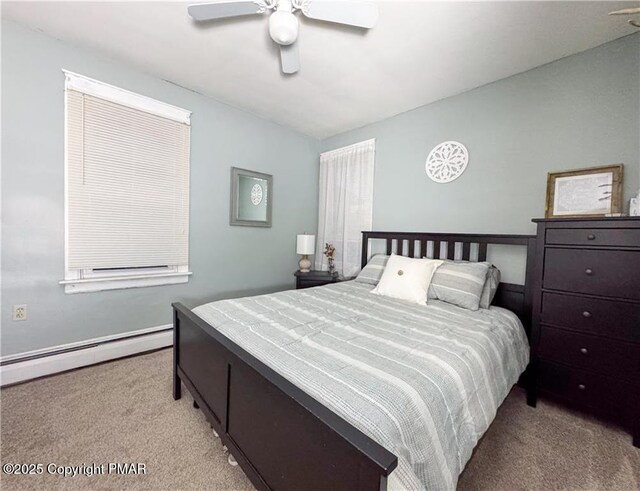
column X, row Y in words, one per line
column 517, row 298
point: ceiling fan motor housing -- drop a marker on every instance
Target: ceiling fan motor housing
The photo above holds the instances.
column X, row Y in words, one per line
column 283, row 24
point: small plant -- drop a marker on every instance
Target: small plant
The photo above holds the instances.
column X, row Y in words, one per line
column 329, row 251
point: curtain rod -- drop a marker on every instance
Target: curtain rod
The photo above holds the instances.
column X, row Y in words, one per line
column 349, row 147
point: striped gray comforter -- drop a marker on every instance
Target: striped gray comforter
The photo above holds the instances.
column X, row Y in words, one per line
column 424, row 382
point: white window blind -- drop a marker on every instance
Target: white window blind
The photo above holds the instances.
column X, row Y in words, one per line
column 127, row 164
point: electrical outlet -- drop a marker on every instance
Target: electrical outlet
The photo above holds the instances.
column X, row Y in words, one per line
column 20, row 312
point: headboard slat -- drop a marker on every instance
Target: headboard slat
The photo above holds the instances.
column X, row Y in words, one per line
column 436, row 249
column 466, row 251
column 482, row 251
column 451, row 250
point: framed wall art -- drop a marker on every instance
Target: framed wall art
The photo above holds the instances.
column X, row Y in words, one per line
column 251, row 198
column 594, row 191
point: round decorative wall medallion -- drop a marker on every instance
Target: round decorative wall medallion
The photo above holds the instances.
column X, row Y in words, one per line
column 447, row 161
column 256, row 194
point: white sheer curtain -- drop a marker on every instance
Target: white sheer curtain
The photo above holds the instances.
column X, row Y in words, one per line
column 346, row 204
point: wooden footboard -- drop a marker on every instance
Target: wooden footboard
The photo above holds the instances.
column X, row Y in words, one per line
column 281, row 437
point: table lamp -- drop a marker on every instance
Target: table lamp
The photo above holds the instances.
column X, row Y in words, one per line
column 305, row 245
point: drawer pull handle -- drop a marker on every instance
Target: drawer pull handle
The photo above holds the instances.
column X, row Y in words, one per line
column 591, row 237
column 588, row 271
column 582, row 386
column 586, row 314
column 584, row 351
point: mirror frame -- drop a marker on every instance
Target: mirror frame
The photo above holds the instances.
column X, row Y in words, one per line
column 236, row 172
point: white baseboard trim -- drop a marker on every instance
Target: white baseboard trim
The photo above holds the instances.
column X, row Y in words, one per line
column 39, row 363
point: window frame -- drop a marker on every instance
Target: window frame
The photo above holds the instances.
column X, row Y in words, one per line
column 93, row 280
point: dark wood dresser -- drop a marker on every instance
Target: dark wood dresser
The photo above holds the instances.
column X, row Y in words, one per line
column 586, row 316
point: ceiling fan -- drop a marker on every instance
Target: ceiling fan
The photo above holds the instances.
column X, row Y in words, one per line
column 283, row 24
column 631, row 11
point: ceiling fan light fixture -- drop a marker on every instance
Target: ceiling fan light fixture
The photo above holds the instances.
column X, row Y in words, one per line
column 283, row 27
column 283, row 23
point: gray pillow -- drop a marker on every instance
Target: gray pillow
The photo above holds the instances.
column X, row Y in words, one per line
column 459, row 283
column 372, row 272
column 490, row 287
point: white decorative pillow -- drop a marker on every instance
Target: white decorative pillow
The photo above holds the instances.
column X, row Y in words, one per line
column 407, row 278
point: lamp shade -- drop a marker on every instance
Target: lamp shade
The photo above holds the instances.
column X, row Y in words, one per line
column 306, row 244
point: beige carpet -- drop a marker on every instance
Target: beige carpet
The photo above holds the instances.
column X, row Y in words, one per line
column 123, row 412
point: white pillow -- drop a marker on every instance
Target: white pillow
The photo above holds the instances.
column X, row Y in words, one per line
column 407, row 278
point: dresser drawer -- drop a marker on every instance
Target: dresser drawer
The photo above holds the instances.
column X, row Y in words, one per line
column 609, row 318
column 607, row 395
column 597, row 272
column 594, row 236
column 601, row 355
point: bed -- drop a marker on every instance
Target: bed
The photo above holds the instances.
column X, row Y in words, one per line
column 335, row 388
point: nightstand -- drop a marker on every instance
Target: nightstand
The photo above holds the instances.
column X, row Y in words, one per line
column 314, row 278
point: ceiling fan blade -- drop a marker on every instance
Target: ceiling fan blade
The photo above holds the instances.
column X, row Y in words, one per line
column 350, row 12
column 226, row 8
column 635, row 10
column 290, row 58
column 634, row 23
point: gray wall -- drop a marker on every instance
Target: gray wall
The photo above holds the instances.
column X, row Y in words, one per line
column 581, row 111
column 225, row 260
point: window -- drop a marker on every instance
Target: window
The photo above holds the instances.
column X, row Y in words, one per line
column 345, row 204
column 126, row 189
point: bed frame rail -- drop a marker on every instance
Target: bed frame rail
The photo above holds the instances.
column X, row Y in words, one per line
column 282, row 438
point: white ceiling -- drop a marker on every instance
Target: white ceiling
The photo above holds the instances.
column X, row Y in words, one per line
column 418, row 53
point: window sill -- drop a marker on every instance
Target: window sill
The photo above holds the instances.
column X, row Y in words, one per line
column 87, row 285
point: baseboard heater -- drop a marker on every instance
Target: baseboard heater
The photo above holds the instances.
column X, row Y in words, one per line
column 22, row 367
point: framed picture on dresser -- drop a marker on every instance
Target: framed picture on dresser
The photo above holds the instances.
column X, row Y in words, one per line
column 590, row 192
